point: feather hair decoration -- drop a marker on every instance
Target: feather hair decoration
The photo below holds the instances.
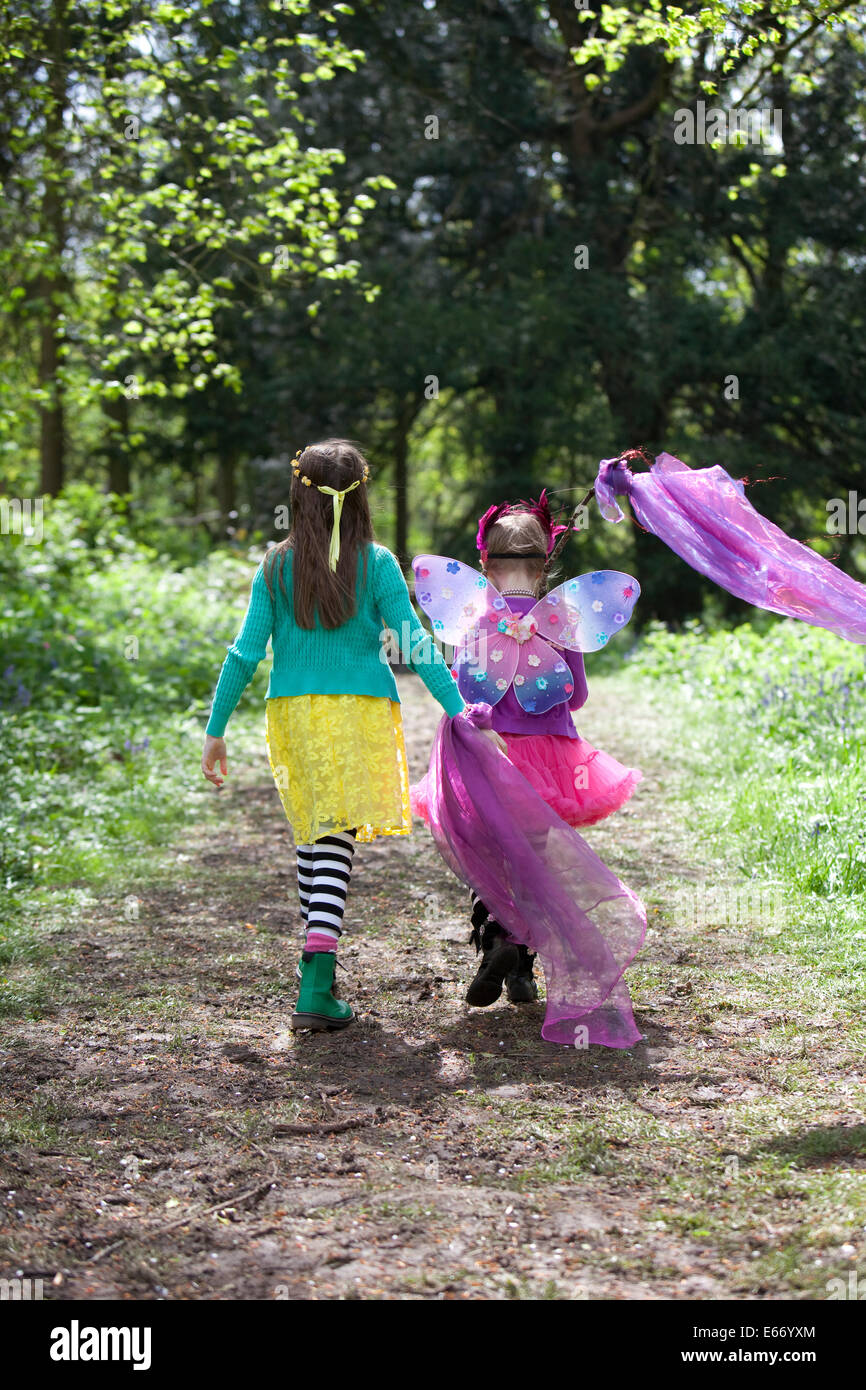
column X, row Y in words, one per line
column 490, row 518
column 542, row 510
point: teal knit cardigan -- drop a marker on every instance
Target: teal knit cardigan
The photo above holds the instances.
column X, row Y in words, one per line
column 347, row 660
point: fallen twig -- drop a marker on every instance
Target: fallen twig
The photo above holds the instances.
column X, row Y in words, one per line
column 323, row 1127
column 246, row 1139
column 187, row 1220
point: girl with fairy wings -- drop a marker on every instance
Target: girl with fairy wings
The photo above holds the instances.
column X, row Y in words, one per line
column 519, row 649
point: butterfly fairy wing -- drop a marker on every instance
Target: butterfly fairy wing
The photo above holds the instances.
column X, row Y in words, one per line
column 542, row 678
column 453, row 595
column 584, row 613
column 485, row 665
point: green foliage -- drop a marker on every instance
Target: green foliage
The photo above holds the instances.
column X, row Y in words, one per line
column 702, row 263
column 604, row 36
column 223, row 175
column 110, row 657
column 167, row 169
column 779, row 756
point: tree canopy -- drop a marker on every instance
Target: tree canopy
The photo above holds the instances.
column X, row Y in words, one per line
column 494, row 242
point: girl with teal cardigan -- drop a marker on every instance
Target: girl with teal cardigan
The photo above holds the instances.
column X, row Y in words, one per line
column 334, row 729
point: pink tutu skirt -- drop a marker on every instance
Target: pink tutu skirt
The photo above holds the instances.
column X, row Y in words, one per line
column 580, row 783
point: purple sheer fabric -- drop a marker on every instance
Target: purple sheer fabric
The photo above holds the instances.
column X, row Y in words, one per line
column 703, row 514
column 540, row 880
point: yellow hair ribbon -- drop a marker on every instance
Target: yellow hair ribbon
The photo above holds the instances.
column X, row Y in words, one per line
column 339, row 498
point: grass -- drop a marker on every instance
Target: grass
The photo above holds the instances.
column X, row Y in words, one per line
column 736, row 1128
column 110, row 655
column 112, row 860
column 768, row 728
column 748, row 747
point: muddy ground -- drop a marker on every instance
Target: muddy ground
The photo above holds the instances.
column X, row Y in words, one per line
column 176, row 1140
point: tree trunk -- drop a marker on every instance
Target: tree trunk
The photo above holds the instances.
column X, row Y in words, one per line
column 226, row 487
column 52, row 433
column 407, row 409
column 514, row 434
column 117, row 445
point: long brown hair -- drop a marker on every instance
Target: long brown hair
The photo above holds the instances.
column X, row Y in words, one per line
column 316, row 589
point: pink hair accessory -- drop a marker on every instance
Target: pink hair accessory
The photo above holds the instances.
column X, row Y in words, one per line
column 541, row 509
column 491, row 516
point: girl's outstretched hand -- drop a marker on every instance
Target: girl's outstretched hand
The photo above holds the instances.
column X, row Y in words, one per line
column 214, row 752
column 496, row 738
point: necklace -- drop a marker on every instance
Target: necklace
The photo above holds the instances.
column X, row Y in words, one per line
column 515, row 593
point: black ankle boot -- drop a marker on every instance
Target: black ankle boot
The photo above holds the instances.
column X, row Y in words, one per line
column 520, row 984
column 499, row 958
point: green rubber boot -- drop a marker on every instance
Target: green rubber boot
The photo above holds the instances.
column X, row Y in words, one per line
column 299, row 975
column 317, row 1008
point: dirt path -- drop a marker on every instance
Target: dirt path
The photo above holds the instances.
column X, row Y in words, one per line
column 174, row 1139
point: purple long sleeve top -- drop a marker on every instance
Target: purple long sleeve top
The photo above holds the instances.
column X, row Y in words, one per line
column 508, row 715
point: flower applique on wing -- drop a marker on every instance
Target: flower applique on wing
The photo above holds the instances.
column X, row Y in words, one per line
column 453, row 595
column 505, row 650
column 497, row 648
column 584, row 613
column 542, row 679
column 485, row 664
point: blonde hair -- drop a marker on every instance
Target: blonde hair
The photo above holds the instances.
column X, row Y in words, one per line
column 519, row 534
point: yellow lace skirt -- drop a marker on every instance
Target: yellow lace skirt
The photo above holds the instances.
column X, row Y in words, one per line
column 339, row 762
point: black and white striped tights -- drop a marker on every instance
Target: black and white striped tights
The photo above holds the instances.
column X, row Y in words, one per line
column 324, row 872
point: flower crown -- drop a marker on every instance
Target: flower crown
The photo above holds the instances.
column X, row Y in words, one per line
column 540, row 509
column 296, row 469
